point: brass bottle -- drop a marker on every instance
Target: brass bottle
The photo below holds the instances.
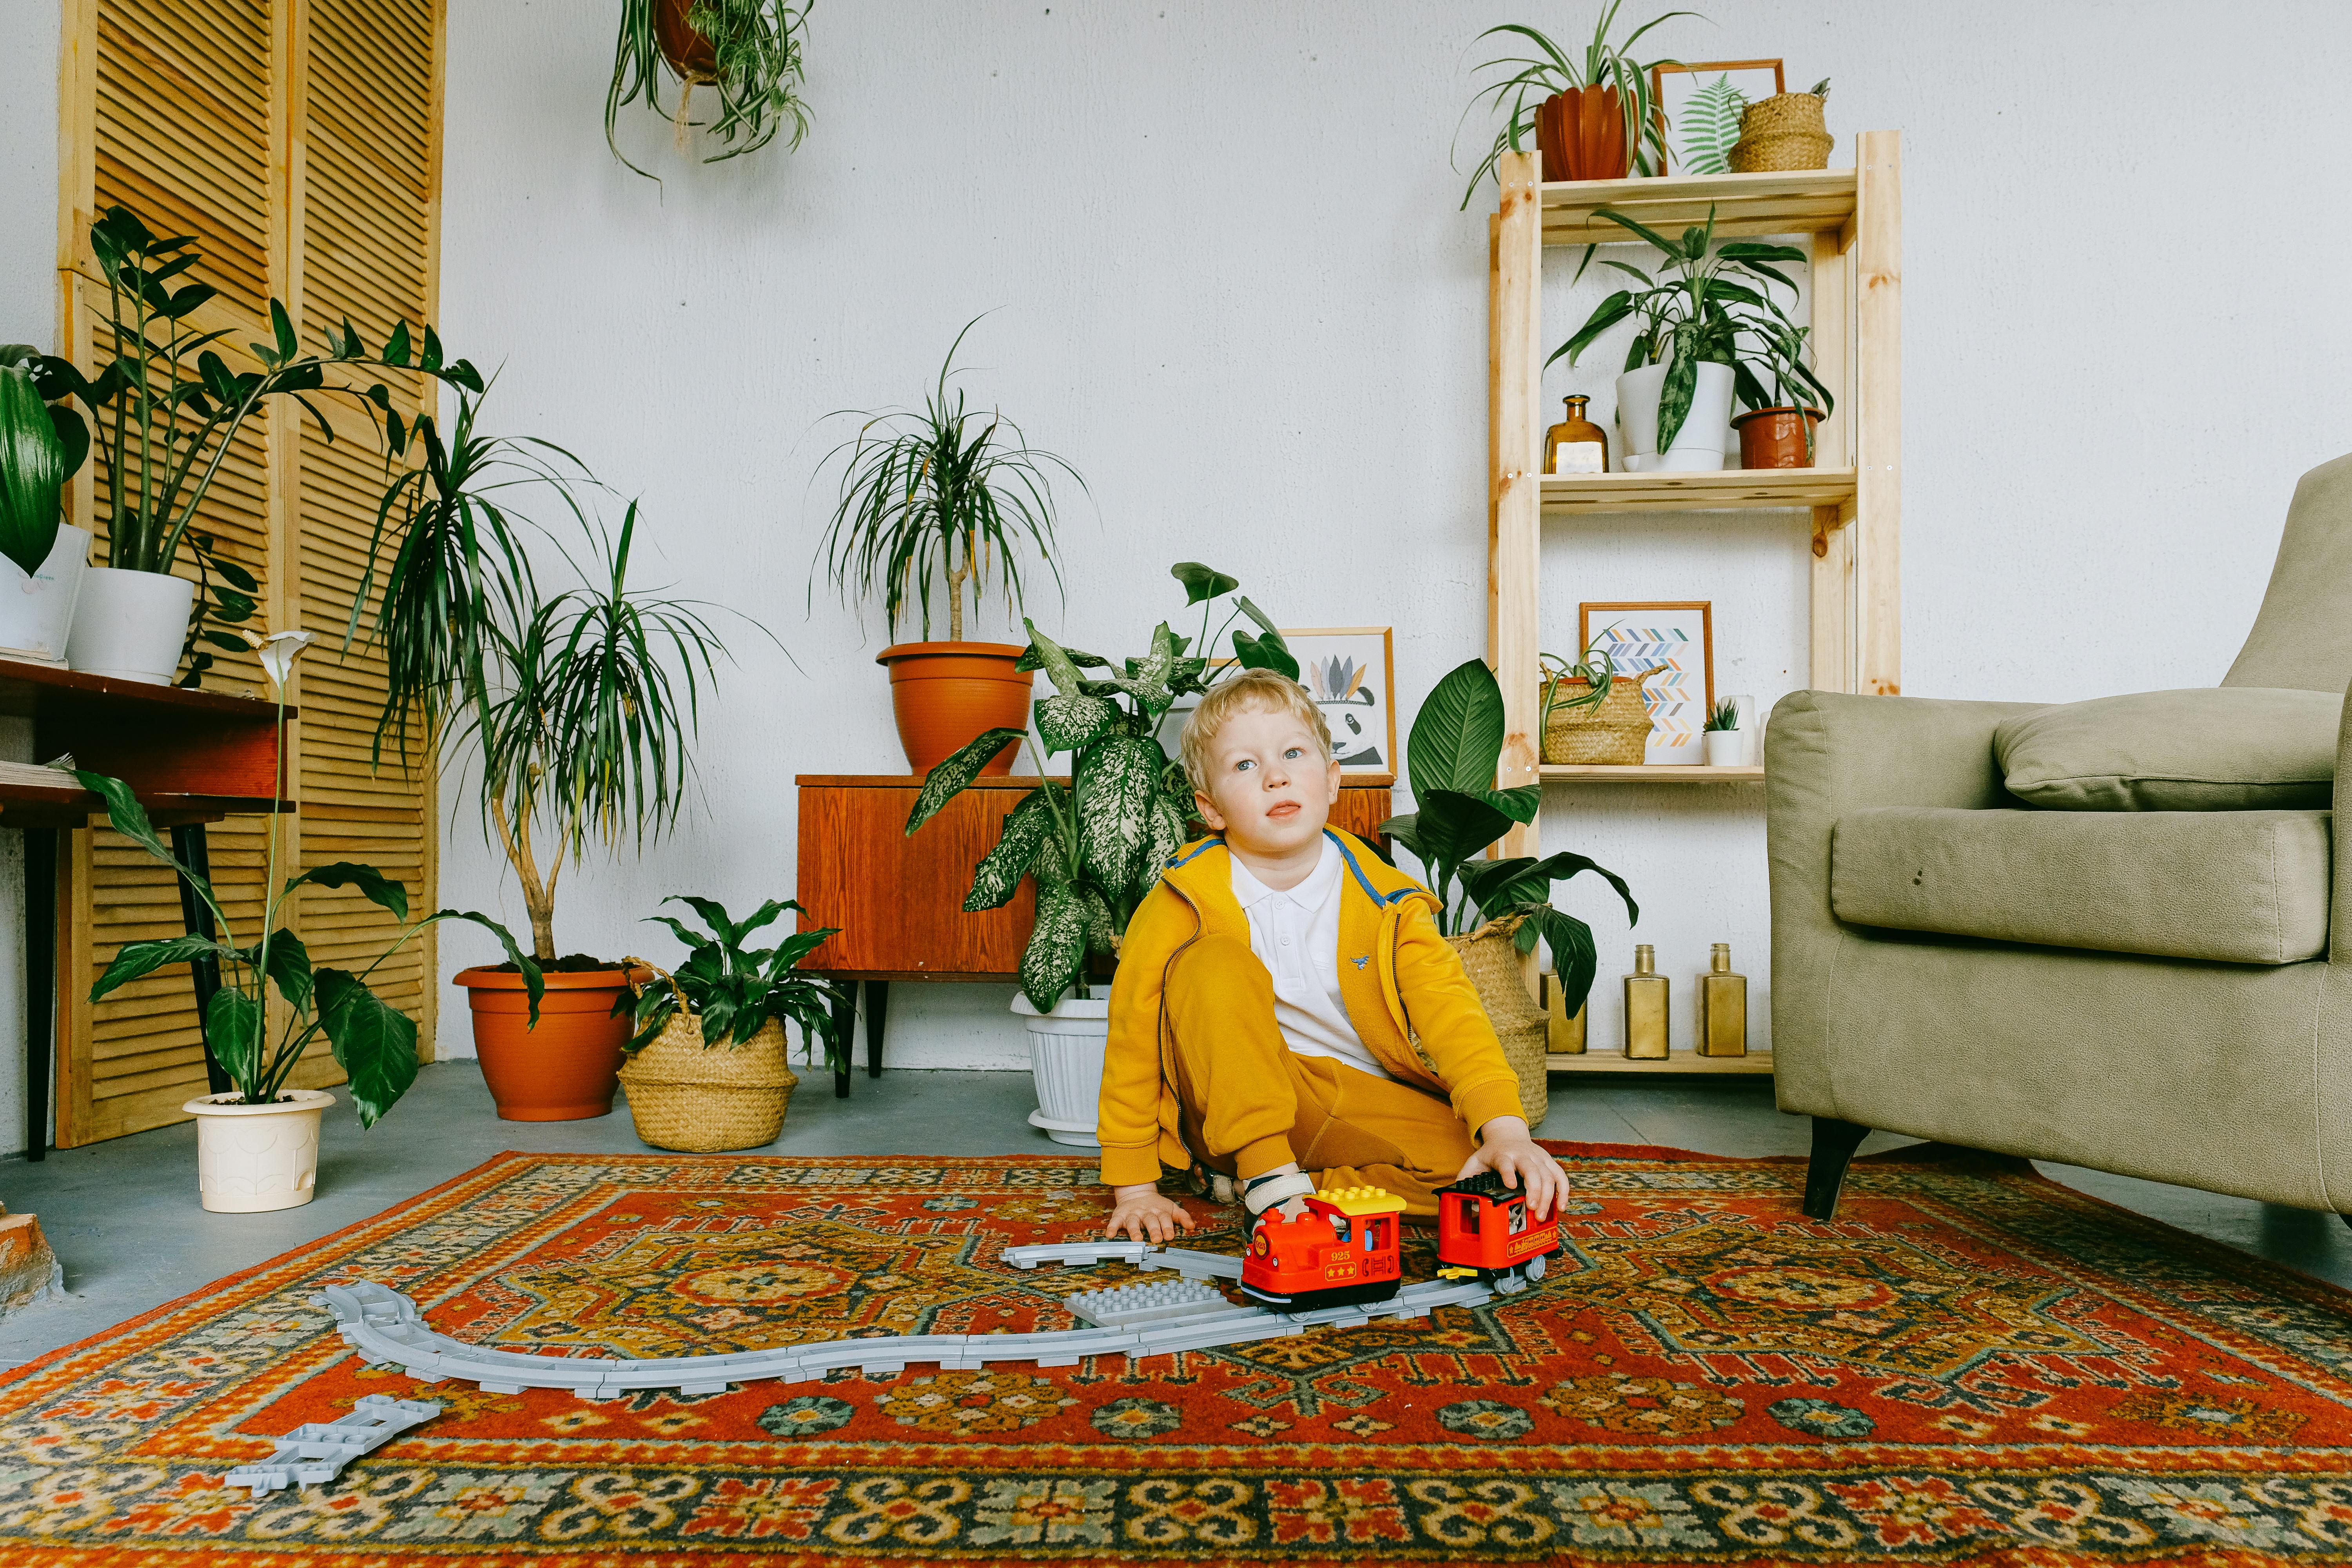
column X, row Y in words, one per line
column 1564, row 1035
column 1649, row 1010
column 1576, row 445
column 1722, row 1007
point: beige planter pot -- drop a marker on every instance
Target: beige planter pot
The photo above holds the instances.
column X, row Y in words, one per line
column 706, row 1099
column 254, row 1158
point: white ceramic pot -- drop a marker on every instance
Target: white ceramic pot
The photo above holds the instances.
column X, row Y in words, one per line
column 252, row 1158
column 130, row 626
column 1065, row 1058
column 1698, row 444
column 36, row 612
column 1751, row 728
column 1726, row 749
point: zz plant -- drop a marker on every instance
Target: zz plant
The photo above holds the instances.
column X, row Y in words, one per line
column 1096, row 845
column 1453, row 751
column 750, row 52
column 732, row 990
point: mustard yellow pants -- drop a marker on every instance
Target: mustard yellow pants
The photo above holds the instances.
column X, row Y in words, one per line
column 1251, row 1104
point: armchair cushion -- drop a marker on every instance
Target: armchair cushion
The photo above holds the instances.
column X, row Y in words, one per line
column 2226, row 748
column 2241, row 886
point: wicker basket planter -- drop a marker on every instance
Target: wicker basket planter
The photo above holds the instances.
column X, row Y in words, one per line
column 1783, row 131
column 1615, row 732
column 705, row 1100
column 1494, row 965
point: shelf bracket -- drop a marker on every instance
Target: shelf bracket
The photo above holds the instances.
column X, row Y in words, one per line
column 1826, row 518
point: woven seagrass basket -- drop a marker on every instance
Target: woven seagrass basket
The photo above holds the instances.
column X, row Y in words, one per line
column 1493, row 966
column 701, row 1100
column 1783, row 131
column 1613, row 731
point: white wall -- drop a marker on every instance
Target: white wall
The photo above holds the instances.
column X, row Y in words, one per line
column 1231, row 284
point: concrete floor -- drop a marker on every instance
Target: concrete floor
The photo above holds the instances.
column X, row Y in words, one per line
column 124, row 1218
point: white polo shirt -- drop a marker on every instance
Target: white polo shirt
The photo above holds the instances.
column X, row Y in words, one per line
column 1296, row 935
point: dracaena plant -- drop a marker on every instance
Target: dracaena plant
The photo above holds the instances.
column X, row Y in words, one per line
column 1551, row 68
column 754, row 64
column 1694, row 311
column 733, row 991
column 167, row 406
column 372, row 1041
column 1096, row 844
column 1453, row 751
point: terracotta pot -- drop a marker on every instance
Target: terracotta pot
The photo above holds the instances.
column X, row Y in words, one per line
column 946, row 694
column 690, row 54
column 1582, row 135
column 1772, row 439
column 566, row 1068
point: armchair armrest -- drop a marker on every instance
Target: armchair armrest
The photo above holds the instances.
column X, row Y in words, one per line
column 2339, row 878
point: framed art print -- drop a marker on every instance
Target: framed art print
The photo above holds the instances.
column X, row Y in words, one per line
column 1701, row 103
column 1351, row 673
column 1678, row 634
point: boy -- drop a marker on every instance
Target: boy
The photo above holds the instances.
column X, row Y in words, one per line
column 1258, row 1025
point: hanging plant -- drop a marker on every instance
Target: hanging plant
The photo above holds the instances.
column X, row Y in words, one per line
column 748, row 51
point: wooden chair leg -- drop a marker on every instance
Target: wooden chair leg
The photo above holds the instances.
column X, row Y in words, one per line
column 1834, row 1142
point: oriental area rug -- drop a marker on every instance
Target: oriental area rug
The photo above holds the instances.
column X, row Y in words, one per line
column 1970, row 1365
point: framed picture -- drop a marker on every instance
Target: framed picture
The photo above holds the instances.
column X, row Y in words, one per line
column 1351, row 671
column 1679, row 634
column 1701, row 103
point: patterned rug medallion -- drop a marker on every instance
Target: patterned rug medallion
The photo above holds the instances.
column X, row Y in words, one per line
column 1971, row 1365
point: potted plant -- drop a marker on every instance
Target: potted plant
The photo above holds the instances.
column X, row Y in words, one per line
column 42, row 445
column 1593, row 119
column 1493, row 910
column 748, row 51
column 166, row 409
column 938, row 500
column 258, row 1143
column 1725, row 746
column 685, row 1092
column 1094, row 846
column 1675, row 396
column 1778, row 429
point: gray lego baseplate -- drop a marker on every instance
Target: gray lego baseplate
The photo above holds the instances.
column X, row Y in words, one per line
column 317, row 1451
column 1123, row 1306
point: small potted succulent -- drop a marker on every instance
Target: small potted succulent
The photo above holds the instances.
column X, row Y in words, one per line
column 936, row 501
column 1725, row 746
column 708, row 1069
column 748, row 52
column 1591, row 118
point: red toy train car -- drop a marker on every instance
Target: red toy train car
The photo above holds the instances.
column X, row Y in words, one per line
column 1484, row 1231
column 1342, row 1250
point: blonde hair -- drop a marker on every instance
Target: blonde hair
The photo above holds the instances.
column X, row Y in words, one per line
column 1251, row 691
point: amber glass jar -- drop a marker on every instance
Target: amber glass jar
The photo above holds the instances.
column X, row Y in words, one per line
column 1576, row 445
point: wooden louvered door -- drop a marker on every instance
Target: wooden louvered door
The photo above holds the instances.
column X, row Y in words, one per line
column 298, row 141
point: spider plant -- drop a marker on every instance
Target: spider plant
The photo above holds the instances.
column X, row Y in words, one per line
column 748, row 51
column 1597, row 668
column 1551, row 69
column 938, row 498
column 1691, row 311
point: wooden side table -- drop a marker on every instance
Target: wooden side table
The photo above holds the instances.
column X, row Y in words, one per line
column 898, row 902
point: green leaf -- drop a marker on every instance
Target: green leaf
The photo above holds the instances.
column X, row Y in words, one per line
column 289, row 967
column 1406, row 830
column 282, row 326
column 1710, row 124
column 1264, row 651
column 1102, row 933
column 128, row 818
column 1453, row 828
column 1519, row 805
column 1054, row 659
column 395, row 348
column 374, row 885
column 1057, row 946
column 951, row 777
column 998, row 876
column 1574, row 959
column 1071, row 722
column 232, row 1029
column 1201, row 584
column 374, row 1042
column 1674, row 397
column 1457, row 737
column 137, row 958
column 1116, row 783
column 1166, row 836
column 533, row 983
column 33, row 471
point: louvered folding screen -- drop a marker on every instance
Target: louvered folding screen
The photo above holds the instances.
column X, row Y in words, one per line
column 298, row 141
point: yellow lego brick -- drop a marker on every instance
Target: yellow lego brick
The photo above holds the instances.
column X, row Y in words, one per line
column 1361, row 1200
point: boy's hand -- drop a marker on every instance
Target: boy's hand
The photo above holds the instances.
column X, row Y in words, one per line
column 1144, row 1215
column 1506, row 1148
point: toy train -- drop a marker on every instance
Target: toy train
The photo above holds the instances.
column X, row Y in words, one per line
column 1344, row 1249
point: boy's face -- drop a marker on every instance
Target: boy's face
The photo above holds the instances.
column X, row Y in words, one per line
column 1269, row 789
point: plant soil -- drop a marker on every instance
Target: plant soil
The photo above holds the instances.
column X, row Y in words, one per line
column 569, row 964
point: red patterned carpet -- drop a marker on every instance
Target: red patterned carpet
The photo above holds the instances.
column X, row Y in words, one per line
column 1971, row 1365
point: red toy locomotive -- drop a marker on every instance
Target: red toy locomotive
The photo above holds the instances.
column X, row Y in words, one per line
column 1344, row 1249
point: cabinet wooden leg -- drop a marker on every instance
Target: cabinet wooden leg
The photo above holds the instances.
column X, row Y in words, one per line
column 40, row 983
column 188, row 845
column 844, row 1030
column 1834, row 1142
column 877, row 1005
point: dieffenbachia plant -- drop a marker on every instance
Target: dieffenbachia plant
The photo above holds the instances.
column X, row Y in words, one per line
column 1096, row 844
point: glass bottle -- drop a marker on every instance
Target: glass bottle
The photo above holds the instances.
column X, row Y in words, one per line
column 1576, row 445
column 1564, row 1035
column 1722, row 1007
column 1649, row 1011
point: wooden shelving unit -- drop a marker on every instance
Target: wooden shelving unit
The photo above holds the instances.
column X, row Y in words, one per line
column 1851, row 221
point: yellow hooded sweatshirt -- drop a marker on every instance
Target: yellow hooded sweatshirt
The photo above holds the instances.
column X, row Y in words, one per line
column 1398, row 978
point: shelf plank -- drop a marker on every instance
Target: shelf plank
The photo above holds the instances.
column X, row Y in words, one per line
column 1724, row 489
column 1804, row 201
column 1648, row 772
column 1754, row 1062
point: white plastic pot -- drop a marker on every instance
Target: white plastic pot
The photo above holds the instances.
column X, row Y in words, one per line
column 1065, row 1058
column 1726, row 749
column 130, row 626
column 1698, row 446
column 254, row 1158
column 36, row 612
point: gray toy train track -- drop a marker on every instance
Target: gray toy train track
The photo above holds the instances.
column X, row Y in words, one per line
column 1134, row 1321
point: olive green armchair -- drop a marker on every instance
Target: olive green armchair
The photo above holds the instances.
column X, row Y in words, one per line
column 2160, row 993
